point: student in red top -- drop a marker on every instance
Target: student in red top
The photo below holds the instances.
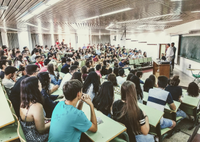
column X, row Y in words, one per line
column 38, row 59
column 42, row 61
column 96, row 58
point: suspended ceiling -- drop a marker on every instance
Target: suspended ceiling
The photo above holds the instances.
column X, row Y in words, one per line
column 66, row 16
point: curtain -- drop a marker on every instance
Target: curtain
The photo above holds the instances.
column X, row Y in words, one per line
column 35, row 40
column 13, row 40
column 47, row 40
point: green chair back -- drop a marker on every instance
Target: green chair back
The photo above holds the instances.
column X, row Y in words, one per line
column 59, row 67
column 145, row 60
column 141, row 60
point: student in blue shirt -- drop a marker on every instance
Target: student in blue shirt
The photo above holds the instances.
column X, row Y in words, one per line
column 68, row 122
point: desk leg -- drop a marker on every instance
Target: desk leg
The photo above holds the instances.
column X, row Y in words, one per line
column 195, row 119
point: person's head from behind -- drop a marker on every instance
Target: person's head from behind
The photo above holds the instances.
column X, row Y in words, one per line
column 193, row 89
column 73, row 90
column 73, row 69
column 148, row 84
column 133, row 71
column 116, row 71
column 30, row 92
column 77, row 75
column 112, row 78
column 45, row 80
column 17, row 53
column 50, row 56
column 129, row 76
column 152, row 77
column 37, row 52
column 105, row 97
column 69, row 61
column 32, row 70
column 174, row 81
column 91, row 70
column 94, row 79
column 88, row 64
column 139, row 74
column 121, row 72
column 76, row 63
column 129, row 95
column 38, row 59
column 162, row 81
column 10, row 71
column 46, row 62
column 136, row 81
column 84, row 69
column 3, row 64
column 98, row 67
column 51, row 69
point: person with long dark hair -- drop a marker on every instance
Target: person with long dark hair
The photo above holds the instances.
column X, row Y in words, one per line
column 148, row 84
column 136, row 81
column 91, row 84
column 104, row 99
column 112, row 78
column 127, row 111
column 84, row 72
column 152, row 77
column 31, row 111
column 77, row 75
column 193, row 91
column 55, row 79
column 19, row 62
column 49, row 103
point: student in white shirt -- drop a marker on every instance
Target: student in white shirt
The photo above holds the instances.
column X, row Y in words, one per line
column 120, row 78
column 68, row 76
column 9, row 78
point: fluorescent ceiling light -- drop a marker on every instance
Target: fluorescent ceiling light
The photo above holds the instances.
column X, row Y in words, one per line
column 195, row 11
column 109, row 26
column 3, row 7
column 159, row 16
column 106, row 14
column 9, row 28
column 170, row 21
column 36, row 10
column 114, row 12
column 36, row 26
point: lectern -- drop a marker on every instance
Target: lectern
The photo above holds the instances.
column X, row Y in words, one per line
column 161, row 68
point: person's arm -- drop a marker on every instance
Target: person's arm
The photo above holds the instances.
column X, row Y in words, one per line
column 87, row 99
column 172, row 106
column 80, row 105
column 38, row 117
column 171, row 102
column 54, row 88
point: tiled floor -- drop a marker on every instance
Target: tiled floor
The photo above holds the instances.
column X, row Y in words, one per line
column 184, row 134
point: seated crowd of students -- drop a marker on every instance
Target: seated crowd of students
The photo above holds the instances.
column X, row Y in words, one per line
column 28, row 81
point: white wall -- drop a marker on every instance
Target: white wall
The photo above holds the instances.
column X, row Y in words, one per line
column 162, row 37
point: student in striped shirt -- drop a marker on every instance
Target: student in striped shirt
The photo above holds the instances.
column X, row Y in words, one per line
column 158, row 98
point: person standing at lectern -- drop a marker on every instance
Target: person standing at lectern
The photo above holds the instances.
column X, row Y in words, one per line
column 174, row 49
column 170, row 56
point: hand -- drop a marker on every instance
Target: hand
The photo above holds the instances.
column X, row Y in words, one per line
column 60, row 77
column 86, row 98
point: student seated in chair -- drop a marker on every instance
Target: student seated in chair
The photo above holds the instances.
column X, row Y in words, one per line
column 68, row 121
column 9, row 78
column 176, row 92
column 128, row 112
column 158, row 98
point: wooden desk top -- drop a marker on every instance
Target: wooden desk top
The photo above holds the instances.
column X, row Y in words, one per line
column 5, row 111
column 107, row 130
column 154, row 115
column 193, row 69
